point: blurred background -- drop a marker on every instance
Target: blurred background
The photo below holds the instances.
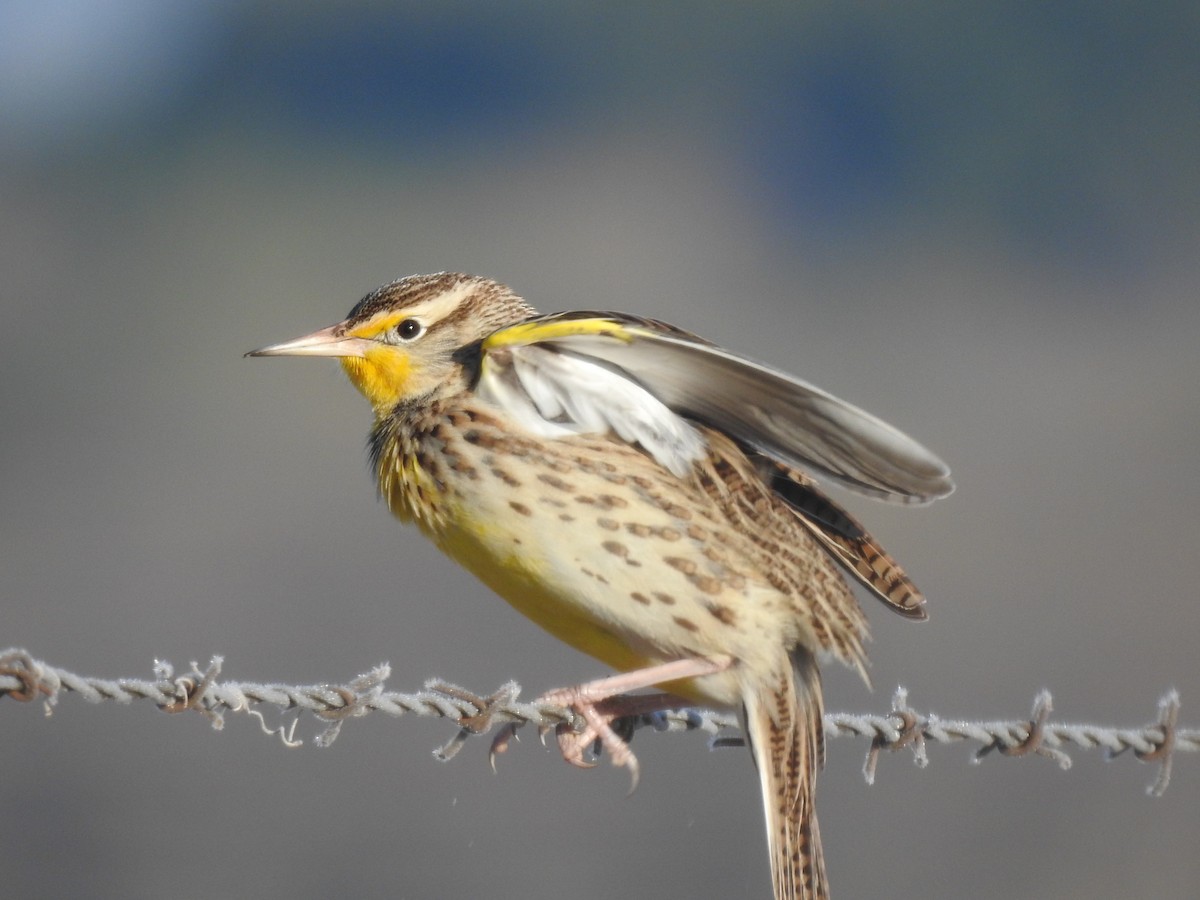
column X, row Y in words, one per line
column 978, row 221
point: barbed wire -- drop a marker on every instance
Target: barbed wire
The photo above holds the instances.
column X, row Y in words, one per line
column 24, row 678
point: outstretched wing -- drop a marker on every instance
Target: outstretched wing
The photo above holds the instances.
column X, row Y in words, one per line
column 782, row 417
column 554, row 393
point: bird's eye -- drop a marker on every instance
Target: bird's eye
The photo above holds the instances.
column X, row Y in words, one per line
column 409, row 330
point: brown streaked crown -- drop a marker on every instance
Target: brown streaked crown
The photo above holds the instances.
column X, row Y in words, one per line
column 486, row 305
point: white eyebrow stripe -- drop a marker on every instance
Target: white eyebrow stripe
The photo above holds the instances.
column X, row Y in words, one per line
column 441, row 305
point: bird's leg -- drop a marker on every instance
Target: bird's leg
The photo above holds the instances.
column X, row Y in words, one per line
column 601, row 702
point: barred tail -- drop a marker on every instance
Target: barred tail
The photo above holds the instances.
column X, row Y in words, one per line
column 783, row 722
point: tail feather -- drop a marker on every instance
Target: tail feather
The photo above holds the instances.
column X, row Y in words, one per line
column 783, row 723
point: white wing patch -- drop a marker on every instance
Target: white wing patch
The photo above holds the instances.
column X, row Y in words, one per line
column 555, row 394
column 782, row 416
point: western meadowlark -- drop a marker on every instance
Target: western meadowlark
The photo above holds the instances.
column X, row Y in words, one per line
column 641, row 494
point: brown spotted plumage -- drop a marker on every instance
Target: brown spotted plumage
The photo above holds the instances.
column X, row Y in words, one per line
column 644, row 496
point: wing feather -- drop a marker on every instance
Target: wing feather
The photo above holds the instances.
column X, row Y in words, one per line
column 846, row 540
column 556, row 394
column 782, row 417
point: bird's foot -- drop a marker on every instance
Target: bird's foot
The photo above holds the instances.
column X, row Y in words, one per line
column 603, row 703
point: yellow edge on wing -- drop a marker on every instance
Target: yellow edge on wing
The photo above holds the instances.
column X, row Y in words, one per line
column 536, row 332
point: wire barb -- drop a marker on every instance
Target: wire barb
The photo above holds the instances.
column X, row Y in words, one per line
column 24, row 678
column 479, row 722
column 1164, row 750
column 908, row 734
column 1035, row 737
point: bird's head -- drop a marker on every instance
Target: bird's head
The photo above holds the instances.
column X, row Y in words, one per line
column 412, row 339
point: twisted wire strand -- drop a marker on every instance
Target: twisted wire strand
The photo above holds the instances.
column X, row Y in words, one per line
column 24, row 678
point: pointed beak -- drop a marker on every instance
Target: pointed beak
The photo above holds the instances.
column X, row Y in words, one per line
column 331, row 341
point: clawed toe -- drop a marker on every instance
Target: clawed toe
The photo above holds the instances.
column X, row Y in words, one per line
column 597, row 734
column 601, row 705
column 577, row 747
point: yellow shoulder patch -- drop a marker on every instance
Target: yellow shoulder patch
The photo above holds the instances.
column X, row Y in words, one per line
column 535, row 332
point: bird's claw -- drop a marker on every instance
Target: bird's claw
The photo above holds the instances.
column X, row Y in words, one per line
column 596, row 735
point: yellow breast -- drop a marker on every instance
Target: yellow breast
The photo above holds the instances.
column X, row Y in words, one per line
column 512, row 566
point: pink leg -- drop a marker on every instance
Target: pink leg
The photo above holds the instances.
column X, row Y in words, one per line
column 603, row 688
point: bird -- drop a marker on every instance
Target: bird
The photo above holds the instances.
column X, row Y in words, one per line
column 646, row 497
